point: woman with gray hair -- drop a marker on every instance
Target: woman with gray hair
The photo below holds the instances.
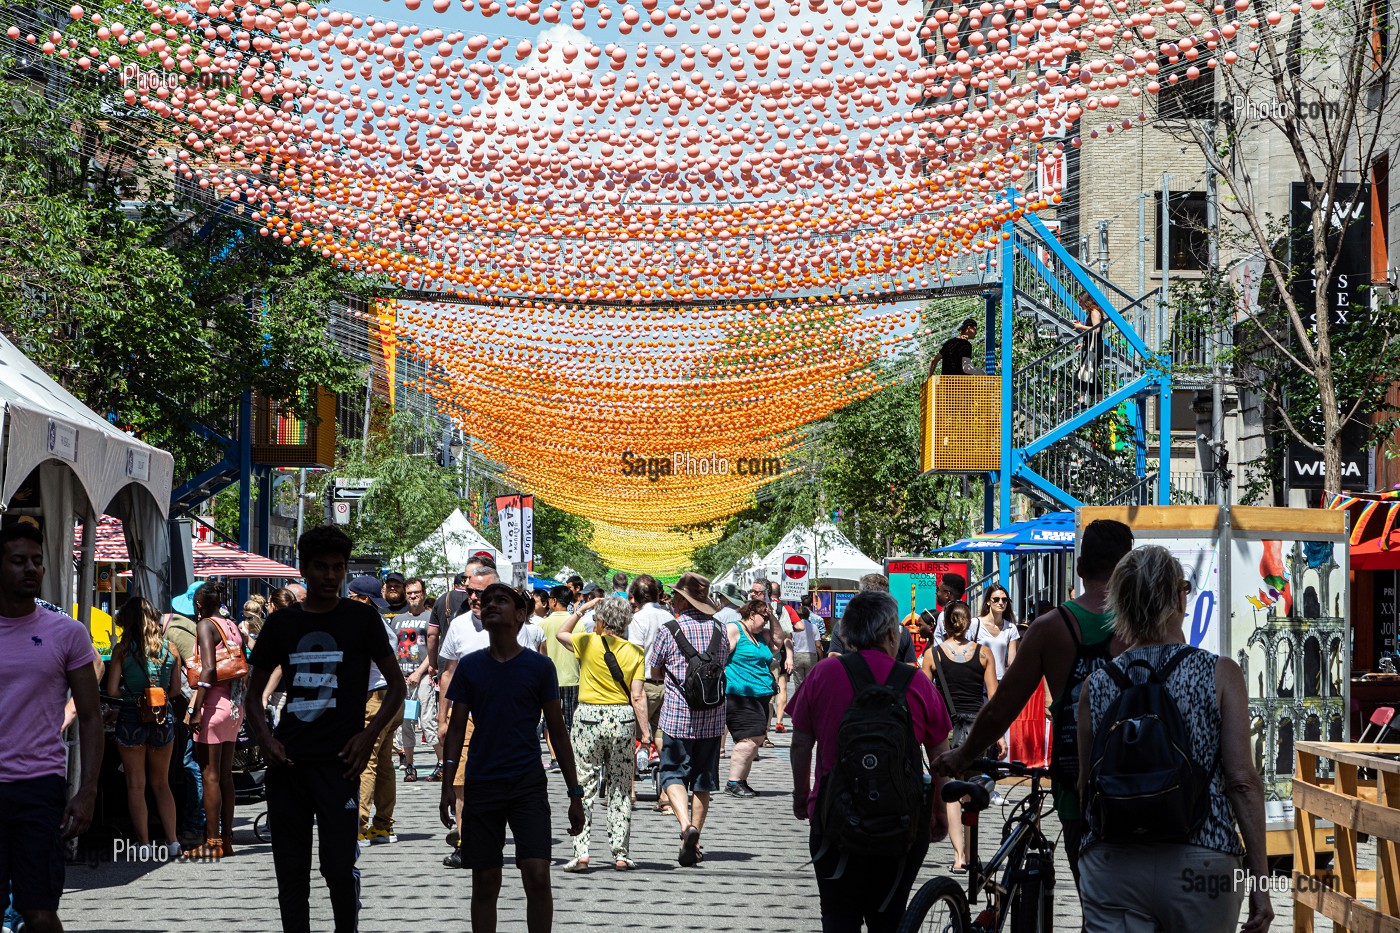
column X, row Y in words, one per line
column 858, row 888
column 1121, row 879
column 612, row 707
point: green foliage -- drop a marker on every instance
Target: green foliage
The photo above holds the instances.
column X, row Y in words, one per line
column 411, row 495
column 565, row 540
column 1364, row 359
column 154, row 313
column 863, row 463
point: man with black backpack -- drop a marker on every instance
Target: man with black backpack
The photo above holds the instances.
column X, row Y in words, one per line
column 1062, row 647
column 867, row 717
column 689, row 655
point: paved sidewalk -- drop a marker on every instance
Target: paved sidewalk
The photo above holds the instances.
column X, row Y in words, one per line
column 753, row 877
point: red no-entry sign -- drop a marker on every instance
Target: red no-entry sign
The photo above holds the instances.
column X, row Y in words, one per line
column 795, row 567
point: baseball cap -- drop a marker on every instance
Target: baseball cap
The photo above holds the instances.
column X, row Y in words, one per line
column 365, row 586
column 394, row 577
column 590, row 588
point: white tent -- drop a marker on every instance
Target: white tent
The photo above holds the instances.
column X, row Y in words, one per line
column 443, row 554
column 741, row 574
column 85, row 467
column 837, row 559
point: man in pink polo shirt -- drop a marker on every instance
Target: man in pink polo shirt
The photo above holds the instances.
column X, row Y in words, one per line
column 43, row 655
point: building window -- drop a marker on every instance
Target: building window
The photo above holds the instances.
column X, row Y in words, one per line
column 1184, row 411
column 1190, row 233
column 1183, row 98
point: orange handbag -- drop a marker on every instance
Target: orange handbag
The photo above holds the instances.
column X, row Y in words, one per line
column 229, row 663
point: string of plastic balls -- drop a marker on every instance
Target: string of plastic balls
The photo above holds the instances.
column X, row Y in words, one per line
column 680, row 228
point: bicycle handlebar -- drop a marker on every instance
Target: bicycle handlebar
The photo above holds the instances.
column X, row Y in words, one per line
column 998, row 768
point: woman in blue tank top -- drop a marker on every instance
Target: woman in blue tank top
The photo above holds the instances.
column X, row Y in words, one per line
column 145, row 666
column 749, row 685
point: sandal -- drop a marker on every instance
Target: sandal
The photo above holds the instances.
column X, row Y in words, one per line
column 768, row 743
column 624, row 864
column 780, row 727
column 210, row 850
column 576, row 865
column 690, row 848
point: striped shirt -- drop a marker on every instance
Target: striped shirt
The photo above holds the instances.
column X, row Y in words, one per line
column 677, row 718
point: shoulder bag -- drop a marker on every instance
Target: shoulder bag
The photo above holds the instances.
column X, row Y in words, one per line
column 614, row 668
column 151, row 702
column 229, row 663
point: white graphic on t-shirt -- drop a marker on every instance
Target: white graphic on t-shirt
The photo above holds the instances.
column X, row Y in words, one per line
column 315, row 664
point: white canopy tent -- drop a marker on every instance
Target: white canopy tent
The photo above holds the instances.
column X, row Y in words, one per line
column 741, row 574
column 837, row 559
column 443, row 554
column 85, row 467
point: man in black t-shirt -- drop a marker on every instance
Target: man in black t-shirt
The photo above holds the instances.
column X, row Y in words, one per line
column 956, row 354
column 325, row 647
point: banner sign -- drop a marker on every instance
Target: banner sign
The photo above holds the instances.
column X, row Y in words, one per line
column 914, row 581
column 527, row 526
column 508, row 512
column 1346, row 297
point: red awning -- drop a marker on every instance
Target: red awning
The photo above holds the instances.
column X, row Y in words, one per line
column 210, row 559
column 1375, row 528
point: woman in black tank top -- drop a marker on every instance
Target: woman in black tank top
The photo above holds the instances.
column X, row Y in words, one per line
column 965, row 674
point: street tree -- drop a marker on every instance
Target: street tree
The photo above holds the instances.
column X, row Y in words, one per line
column 1318, row 85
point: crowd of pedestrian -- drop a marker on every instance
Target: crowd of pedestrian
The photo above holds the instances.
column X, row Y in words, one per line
column 340, row 694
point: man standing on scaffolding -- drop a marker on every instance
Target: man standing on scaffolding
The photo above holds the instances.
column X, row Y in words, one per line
column 956, row 353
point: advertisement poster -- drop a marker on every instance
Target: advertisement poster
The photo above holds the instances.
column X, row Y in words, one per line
column 914, row 580
column 1287, row 633
column 821, row 603
column 839, row 603
column 1200, row 562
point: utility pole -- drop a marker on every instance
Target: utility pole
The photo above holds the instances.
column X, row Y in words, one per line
column 1215, row 334
column 1142, row 245
column 301, row 503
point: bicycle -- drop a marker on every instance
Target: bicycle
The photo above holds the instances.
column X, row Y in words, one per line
column 1018, row 881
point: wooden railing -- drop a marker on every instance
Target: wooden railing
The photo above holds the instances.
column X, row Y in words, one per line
column 1354, row 803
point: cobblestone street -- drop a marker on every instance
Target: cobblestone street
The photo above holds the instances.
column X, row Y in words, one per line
column 754, row 877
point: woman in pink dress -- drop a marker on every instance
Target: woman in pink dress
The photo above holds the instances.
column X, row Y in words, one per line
column 214, row 717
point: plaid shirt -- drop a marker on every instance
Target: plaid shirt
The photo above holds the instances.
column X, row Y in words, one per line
column 678, row 720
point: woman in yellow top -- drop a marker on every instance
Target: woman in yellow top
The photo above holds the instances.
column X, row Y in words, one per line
column 612, row 709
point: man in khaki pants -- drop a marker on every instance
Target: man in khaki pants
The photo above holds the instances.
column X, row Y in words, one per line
column 378, row 787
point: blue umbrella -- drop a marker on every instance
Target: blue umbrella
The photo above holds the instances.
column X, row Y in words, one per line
column 1053, row 531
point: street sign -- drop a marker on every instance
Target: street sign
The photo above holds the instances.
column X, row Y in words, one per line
column 796, row 578
column 340, row 511
column 351, row 490
column 486, row 552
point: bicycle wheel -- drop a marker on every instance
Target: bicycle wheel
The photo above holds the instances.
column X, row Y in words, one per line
column 1033, row 900
column 940, row 906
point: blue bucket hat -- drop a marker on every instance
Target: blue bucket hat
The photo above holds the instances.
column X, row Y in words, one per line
column 184, row 603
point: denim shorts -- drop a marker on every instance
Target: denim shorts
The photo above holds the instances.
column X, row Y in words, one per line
column 133, row 733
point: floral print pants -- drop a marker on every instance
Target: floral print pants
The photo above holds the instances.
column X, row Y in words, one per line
column 603, row 747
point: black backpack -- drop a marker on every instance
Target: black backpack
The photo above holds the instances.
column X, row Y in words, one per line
column 1064, row 723
column 1144, row 784
column 703, row 687
column 872, row 801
